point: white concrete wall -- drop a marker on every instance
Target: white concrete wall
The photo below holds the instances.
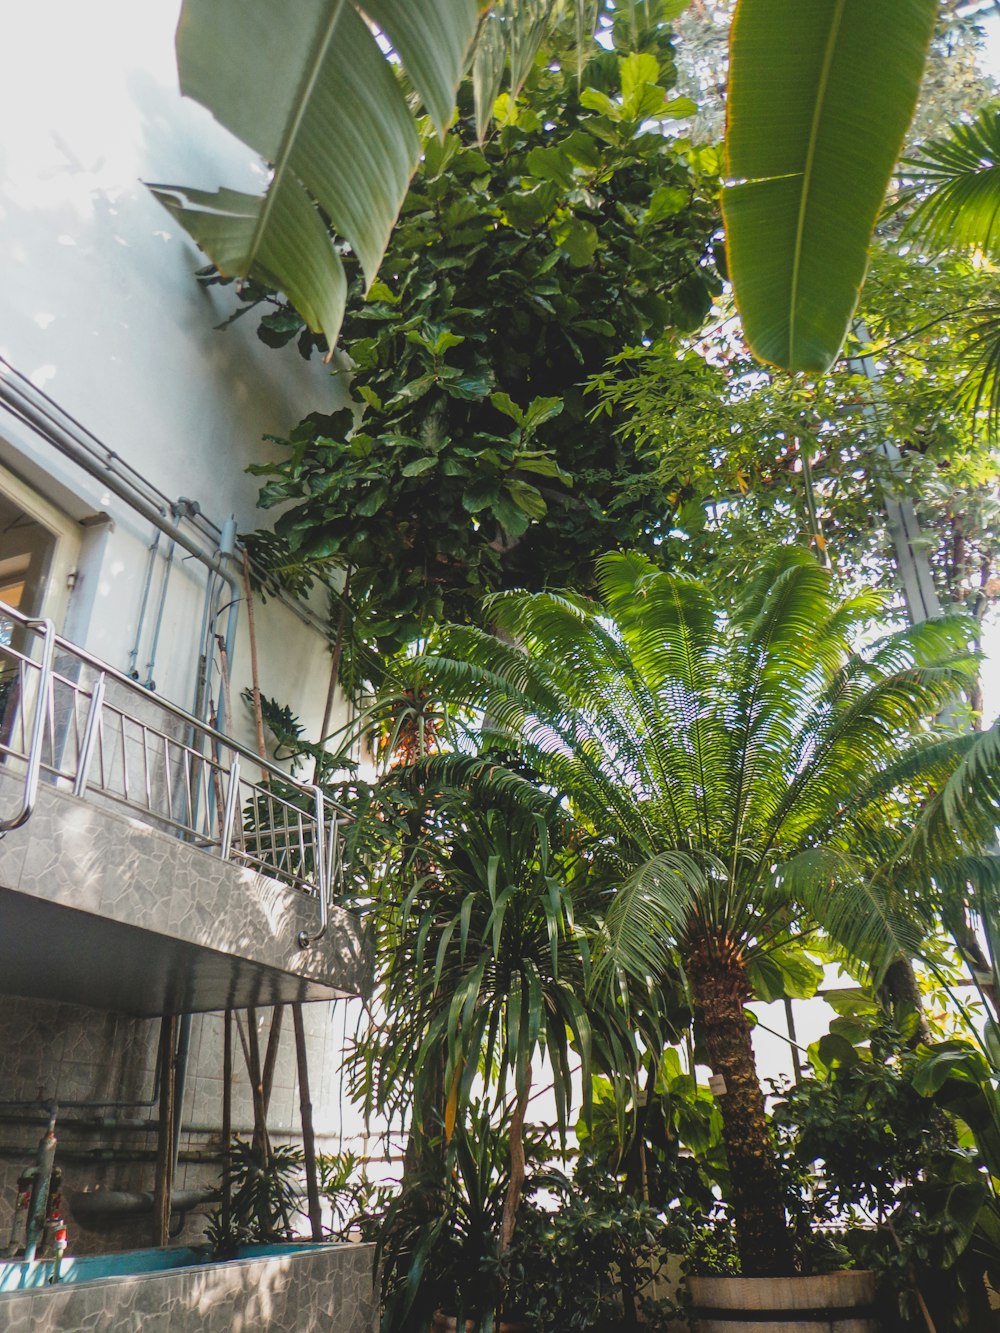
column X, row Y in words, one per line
column 98, row 306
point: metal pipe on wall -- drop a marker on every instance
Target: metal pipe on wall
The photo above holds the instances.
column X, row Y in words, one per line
column 147, row 583
column 168, row 564
column 42, row 420
column 36, row 409
column 89, row 1204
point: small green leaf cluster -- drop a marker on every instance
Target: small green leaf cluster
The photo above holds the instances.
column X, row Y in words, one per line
column 264, row 1197
column 598, row 1258
column 469, row 460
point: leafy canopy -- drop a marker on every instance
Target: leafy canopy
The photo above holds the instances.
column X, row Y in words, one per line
column 518, row 267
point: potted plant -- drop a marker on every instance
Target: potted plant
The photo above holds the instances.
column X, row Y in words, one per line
column 749, row 776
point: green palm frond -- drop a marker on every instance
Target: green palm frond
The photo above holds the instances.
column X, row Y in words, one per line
column 835, row 887
column 955, row 183
column 979, row 390
column 651, row 911
column 701, row 743
column 483, row 960
column 976, row 879
column 964, row 815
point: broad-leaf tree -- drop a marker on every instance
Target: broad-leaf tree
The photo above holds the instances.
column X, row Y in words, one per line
column 747, row 456
column 750, row 774
column 470, row 461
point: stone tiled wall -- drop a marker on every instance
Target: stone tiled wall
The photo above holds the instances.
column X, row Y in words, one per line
column 69, row 1053
column 329, row 1288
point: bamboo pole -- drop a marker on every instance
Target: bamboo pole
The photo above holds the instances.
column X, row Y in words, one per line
column 271, row 1056
column 164, row 1184
column 308, row 1133
column 252, row 1049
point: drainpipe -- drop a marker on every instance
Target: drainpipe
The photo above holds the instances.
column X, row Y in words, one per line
column 133, row 657
column 168, row 562
column 180, row 1079
column 91, row 1205
column 227, row 548
column 40, row 1188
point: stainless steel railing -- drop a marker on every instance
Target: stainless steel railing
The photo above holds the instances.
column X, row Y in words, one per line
column 72, row 720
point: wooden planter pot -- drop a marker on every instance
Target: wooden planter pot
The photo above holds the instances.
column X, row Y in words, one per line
column 447, row 1323
column 829, row 1303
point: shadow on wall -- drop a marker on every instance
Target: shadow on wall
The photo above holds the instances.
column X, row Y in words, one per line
column 308, row 1289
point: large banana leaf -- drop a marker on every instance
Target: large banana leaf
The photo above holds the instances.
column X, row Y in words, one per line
column 311, row 87
column 820, row 95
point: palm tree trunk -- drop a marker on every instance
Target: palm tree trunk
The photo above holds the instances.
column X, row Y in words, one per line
column 717, row 975
column 517, row 1167
column 902, row 990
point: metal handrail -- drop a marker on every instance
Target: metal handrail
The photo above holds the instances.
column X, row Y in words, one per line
column 34, row 769
column 288, row 820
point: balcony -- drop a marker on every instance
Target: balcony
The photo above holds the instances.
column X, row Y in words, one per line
column 148, row 863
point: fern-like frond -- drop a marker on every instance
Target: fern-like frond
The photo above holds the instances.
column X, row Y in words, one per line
column 964, row 816
column 954, row 181
column 653, row 909
column 872, row 927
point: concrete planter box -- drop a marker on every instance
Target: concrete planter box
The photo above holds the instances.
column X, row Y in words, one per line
column 829, row 1303
column 270, row 1289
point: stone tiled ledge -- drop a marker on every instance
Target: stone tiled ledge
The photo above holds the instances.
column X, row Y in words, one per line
column 316, row 1288
column 162, row 900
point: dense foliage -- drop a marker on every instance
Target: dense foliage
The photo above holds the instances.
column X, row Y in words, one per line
column 749, row 772
column 519, row 266
column 701, row 782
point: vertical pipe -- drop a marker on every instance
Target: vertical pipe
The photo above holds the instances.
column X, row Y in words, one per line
column 308, row 1134
column 180, row 1082
column 258, row 714
column 227, row 546
column 164, row 1184
column 40, row 1188
column 133, row 657
column 168, row 562
column 201, row 688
